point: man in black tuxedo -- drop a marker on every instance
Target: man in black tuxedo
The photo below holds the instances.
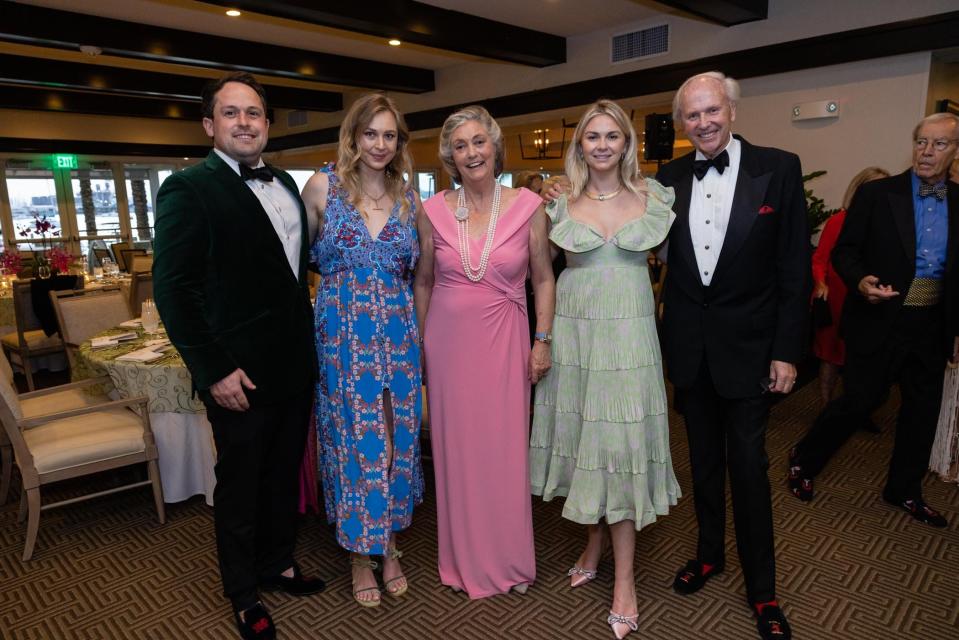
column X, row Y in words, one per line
column 229, row 277
column 735, row 301
column 897, row 250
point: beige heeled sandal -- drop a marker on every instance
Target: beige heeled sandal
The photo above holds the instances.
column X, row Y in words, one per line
column 617, row 618
column 579, row 576
column 364, row 562
column 394, row 554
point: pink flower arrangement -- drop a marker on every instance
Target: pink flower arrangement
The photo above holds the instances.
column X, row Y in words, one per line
column 40, row 227
column 12, row 262
column 59, row 259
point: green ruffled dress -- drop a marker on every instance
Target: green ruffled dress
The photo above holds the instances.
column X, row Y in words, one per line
column 600, row 432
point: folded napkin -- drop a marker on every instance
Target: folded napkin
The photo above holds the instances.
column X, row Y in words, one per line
column 131, row 324
column 103, row 341
column 159, row 342
column 140, row 355
column 112, row 341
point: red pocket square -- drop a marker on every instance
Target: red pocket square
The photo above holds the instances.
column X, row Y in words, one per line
column 763, row 210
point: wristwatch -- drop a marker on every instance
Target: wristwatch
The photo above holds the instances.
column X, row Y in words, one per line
column 543, row 336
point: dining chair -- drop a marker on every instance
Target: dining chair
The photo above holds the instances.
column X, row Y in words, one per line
column 141, row 288
column 127, row 255
column 84, row 313
column 29, row 341
column 99, row 253
column 115, row 249
column 141, row 264
column 63, row 432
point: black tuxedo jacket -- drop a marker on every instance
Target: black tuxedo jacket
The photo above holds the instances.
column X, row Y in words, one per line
column 224, row 287
column 879, row 238
column 756, row 306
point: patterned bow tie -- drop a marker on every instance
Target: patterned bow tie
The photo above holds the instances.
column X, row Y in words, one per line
column 260, row 173
column 938, row 190
column 701, row 167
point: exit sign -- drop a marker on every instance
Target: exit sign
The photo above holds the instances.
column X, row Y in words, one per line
column 65, row 161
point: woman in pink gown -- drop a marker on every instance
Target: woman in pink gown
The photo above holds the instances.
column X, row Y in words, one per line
column 471, row 306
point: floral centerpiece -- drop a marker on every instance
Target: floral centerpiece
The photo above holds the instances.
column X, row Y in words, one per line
column 50, row 259
column 59, row 260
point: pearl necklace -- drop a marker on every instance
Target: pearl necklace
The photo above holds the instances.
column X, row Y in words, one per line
column 463, row 230
column 602, row 196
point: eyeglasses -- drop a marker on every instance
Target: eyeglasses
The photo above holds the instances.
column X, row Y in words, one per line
column 940, row 144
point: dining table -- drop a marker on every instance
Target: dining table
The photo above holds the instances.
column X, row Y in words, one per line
column 142, row 364
column 8, row 319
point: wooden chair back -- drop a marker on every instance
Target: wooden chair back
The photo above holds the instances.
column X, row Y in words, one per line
column 141, row 288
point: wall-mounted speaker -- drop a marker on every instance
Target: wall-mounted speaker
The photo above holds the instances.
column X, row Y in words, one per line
column 660, row 137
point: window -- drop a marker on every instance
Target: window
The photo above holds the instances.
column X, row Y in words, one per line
column 95, row 200
column 140, row 200
column 33, row 200
column 426, row 184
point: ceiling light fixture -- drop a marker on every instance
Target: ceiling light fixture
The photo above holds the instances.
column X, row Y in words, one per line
column 394, row 42
column 234, row 13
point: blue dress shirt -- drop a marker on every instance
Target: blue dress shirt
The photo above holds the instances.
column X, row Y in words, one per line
column 932, row 230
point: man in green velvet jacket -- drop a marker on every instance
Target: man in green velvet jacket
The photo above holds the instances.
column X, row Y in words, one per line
column 230, row 282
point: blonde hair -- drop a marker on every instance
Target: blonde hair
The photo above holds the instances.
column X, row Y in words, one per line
column 866, row 175
column 458, row 119
column 576, row 167
column 359, row 116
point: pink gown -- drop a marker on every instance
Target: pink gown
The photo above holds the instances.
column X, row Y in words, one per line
column 477, row 352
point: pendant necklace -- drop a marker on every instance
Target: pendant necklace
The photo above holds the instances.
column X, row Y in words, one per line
column 375, row 201
column 603, row 196
column 475, row 274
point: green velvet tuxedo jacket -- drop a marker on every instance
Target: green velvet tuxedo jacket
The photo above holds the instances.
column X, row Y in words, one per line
column 224, row 287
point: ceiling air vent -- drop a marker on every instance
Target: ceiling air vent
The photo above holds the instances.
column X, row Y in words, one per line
column 296, row 118
column 644, row 43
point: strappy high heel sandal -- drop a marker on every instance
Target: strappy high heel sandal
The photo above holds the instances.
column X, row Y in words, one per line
column 364, row 562
column 616, row 618
column 395, row 554
column 580, row 576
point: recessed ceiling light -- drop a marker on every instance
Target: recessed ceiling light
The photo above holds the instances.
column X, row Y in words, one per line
column 233, row 13
column 395, row 43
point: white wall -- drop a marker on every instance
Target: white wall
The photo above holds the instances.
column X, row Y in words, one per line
column 880, row 102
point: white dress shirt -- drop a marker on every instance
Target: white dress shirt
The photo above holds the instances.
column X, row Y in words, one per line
column 281, row 208
column 709, row 208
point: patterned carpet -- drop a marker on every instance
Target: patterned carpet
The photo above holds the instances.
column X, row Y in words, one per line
column 849, row 567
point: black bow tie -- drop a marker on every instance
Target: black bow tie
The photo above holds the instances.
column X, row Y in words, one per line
column 260, row 173
column 938, row 190
column 701, row 167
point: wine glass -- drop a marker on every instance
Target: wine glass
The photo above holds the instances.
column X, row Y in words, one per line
column 149, row 317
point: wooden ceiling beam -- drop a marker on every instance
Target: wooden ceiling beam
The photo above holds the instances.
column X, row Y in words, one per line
column 419, row 23
column 60, row 100
column 101, row 79
column 39, row 26
column 723, row 12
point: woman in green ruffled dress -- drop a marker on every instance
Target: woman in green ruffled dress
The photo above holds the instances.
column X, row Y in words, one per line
column 600, row 433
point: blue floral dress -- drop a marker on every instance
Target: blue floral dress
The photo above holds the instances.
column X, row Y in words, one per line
column 367, row 342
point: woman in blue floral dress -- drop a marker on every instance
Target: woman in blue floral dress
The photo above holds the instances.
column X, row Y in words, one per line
column 368, row 400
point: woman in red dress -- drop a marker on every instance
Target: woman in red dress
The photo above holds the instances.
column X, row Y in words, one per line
column 828, row 346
